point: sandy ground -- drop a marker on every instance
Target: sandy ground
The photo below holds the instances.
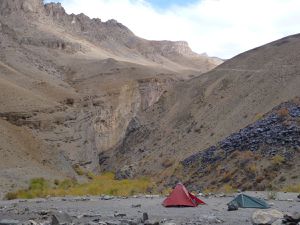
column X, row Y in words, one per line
column 84, row 210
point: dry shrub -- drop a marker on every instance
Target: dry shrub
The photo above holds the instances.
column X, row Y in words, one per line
column 292, row 188
column 167, row 163
column 296, row 100
column 235, row 154
column 103, row 184
column 258, row 116
column 259, row 179
column 227, row 177
column 277, row 160
column 272, row 195
column 251, row 168
column 228, row 189
column 78, row 170
column 283, row 112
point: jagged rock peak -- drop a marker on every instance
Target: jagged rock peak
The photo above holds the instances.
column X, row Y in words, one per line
column 54, row 9
column 10, row 6
column 174, row 47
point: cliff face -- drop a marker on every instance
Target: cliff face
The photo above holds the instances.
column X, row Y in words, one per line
column 16, row 6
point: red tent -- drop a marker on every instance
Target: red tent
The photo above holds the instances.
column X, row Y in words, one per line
column 181, row 197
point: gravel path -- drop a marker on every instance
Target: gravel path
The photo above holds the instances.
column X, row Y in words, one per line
column 91, row 210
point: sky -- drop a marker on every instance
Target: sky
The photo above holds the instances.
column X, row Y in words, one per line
column 222, row 28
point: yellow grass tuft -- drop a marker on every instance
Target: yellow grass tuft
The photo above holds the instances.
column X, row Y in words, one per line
column 99, row 185
column 292, row 188
column 278, row 160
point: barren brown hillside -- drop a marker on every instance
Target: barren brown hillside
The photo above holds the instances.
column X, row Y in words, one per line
column 70, row 86
column 82, row 93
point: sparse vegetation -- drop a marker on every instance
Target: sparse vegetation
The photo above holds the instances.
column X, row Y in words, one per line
column 167, row 163
column 228, row 189
column 258, row 116
column 283, row 112
column 292, row 188
column 78, row 170
column 272, row 195
column 103, row 184
column 277, row 160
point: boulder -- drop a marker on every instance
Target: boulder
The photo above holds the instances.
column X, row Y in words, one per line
column 296, row 216
column 151, row 222
column 292, row 219
column 59, row 218
column 145, row 216
column 119, row 214
column 261, row 217
column 277, row 222
column 232, row 207
column 107, row 197
column 136, row 206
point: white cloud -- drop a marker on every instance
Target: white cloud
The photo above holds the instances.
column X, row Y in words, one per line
column 221, row 28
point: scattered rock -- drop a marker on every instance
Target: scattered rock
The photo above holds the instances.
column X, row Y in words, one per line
column 44, row 213
column 261, row 217
column 101, row 223
column 145, row 216
column 107, row 197
column 277, row 222
column 151, row 222
column 119, row 215
column 136, row 206
column 125, row 172
column 9, row 222
column 113, row 222
column 292, row 219
column 32, row 222
column 232, row 206
column 59, row 218
column 211, row 219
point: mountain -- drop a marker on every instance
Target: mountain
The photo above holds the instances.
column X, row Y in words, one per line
column 70, row 85
column 198, row 114
column 79, row 93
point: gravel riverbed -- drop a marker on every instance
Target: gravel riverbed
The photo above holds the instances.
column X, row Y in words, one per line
column 114, row 210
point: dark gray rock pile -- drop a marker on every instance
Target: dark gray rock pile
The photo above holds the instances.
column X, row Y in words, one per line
column 277, row 133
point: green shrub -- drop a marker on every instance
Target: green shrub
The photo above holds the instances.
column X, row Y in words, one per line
column 38, row 184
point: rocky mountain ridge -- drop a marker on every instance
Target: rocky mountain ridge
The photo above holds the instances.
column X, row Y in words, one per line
column 111, row 35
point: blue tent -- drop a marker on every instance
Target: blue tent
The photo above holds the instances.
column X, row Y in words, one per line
column 246, row 201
